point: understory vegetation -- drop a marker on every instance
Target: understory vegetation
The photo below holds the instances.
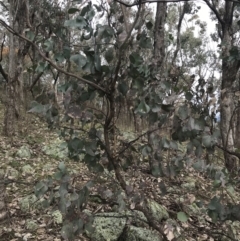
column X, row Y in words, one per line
column 119, row 122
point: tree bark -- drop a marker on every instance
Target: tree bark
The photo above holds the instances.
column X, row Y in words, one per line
column 11, row 114
column 159, row 34
column 159, row 57
column 18, row 20
column 229, row 73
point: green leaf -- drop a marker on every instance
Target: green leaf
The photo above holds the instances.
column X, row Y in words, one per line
column 104, row 31
column 198, row 151
column 79, row 59
column 90, row 14
column 213, row 215
column 86, row 9
column 149, row 25
column 30, row 35
column 188, row 95
column 166, row 85
column 189, row 148
column 79, row 22
column 89, row 151
column 73, row 10
column 75, row 145
column 199, row 165
column 41, row 67
column 48, row 45
column 88, row 227
column 163, row 188
column 59, row 57
column 183, row 112
column 138, row 83
column 157, row 170
column 58, row 175
column 165, row 143
column 38, row 108
column 40, row 189
column 214, row 203
column 146, row 150
column 66, row 52
column 123, row 88
column 109, row 55
column 136, row 59
column 145, row 43
column 67, row 231
column 142, row 108
column 173, row 145
column 74, row 196
column 62, row 167
column 182, row 216
column 207, row 141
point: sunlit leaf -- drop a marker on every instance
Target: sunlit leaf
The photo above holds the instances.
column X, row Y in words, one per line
column 182, row 216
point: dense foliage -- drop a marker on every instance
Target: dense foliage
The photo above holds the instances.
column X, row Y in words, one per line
column 97, row 63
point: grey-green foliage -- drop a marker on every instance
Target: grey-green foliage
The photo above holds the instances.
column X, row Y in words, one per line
column 100, row 59
column 69, row 201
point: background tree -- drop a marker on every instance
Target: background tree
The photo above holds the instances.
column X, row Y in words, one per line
column 227, row 32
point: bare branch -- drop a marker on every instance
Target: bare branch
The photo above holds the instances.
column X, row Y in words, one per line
column 149, row 1
column 36, row 80
column 160, row 1
column 179, row 33
column 215, row 12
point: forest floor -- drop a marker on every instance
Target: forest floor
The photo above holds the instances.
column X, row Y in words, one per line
column 186, row 188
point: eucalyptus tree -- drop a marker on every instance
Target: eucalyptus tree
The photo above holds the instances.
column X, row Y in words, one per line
column 17, row 52
column 121, row 56
column 226, row 13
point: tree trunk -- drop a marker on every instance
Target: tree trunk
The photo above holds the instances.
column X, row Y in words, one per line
column 11, row 114
column 159, row 57
column 18, row 17
column 229, row 73
column 237, row 128
column 159, row 34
